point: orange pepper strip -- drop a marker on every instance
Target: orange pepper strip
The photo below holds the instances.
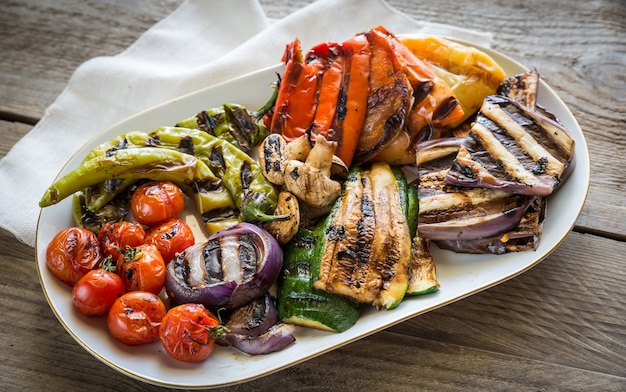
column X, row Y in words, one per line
column 296, row 101
column 439, row 107
column 348, row 123
column 330, row 55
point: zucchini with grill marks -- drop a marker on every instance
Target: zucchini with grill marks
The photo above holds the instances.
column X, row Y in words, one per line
column 367, row 249
column 298, row 302
column 423, row 275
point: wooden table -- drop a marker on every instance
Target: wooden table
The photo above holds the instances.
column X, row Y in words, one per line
column 559, row 326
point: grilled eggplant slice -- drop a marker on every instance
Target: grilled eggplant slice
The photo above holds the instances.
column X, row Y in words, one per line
column 514, row 149
column 524, row 237
column 460, row 213
column 434, row 160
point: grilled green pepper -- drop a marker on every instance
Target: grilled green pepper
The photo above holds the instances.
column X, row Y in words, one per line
column 188, row 172
column 234, row 123
column 225, row 167
column 253, row 194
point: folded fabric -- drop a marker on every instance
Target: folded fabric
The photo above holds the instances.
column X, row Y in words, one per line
column 201, row 43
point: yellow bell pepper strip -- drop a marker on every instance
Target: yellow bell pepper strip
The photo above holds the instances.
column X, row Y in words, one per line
column 471, row 73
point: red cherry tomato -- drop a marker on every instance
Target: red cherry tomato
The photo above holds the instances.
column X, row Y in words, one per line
column 157, row 201
column 188, row 332
column 135, row 317
column 142, row 268
column 95, row 293
column 72, row 253
column 114, row 236
column 170, row 237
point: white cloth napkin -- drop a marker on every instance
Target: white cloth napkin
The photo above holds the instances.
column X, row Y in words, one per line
column 199, row 44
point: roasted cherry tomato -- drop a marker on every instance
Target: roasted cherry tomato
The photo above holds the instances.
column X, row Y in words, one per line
column 95, row 293
column 135, row 317
column 188, row 332
column 72, row 253
column 118, row 235
column 170, row 237
column 157, row 201
column 142, row 268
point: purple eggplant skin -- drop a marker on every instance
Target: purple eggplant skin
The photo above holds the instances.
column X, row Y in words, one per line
column 231, row 268
column 474, row 228
column 524, row 237
column 274, row 339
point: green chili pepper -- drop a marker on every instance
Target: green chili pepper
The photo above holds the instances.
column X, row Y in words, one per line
column 191, row 174
column 240, row 173
column 234, row 123
column 95, row 197
column 113, row 211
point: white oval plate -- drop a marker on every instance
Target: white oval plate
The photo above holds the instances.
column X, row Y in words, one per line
column 459, row 275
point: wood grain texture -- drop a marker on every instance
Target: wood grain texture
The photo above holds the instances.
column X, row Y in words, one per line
column 559, row 326
column 43, row 42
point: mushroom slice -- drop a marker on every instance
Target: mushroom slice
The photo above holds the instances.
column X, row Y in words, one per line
column 338, row 171
column 310, row 184
column 310, row 180
column 285, row 230
column 321, row 155
column 272, row 158
column 299, row 148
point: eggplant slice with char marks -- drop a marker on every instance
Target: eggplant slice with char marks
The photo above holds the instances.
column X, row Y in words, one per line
column 513, row 148
column 491, row 231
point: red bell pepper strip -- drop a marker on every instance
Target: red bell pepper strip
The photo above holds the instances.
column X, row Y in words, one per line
column 296, row 101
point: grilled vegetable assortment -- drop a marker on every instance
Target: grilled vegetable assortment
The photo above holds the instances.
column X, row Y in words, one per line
column 326, row 214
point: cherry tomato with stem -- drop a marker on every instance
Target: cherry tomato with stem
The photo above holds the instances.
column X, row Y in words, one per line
column 170, row 237
column 157, row 201
column 72, row 253
column 95, row 293
column 188, row 332
column 142, row 268
column 135, row 318
column 114, row 236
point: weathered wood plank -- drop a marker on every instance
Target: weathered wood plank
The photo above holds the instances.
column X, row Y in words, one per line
column 568, row 310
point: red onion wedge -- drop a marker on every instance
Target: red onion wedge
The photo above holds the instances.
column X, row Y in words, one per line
column 229, row 269
column 255, row 328
column 274, row 339
column 255, row 317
